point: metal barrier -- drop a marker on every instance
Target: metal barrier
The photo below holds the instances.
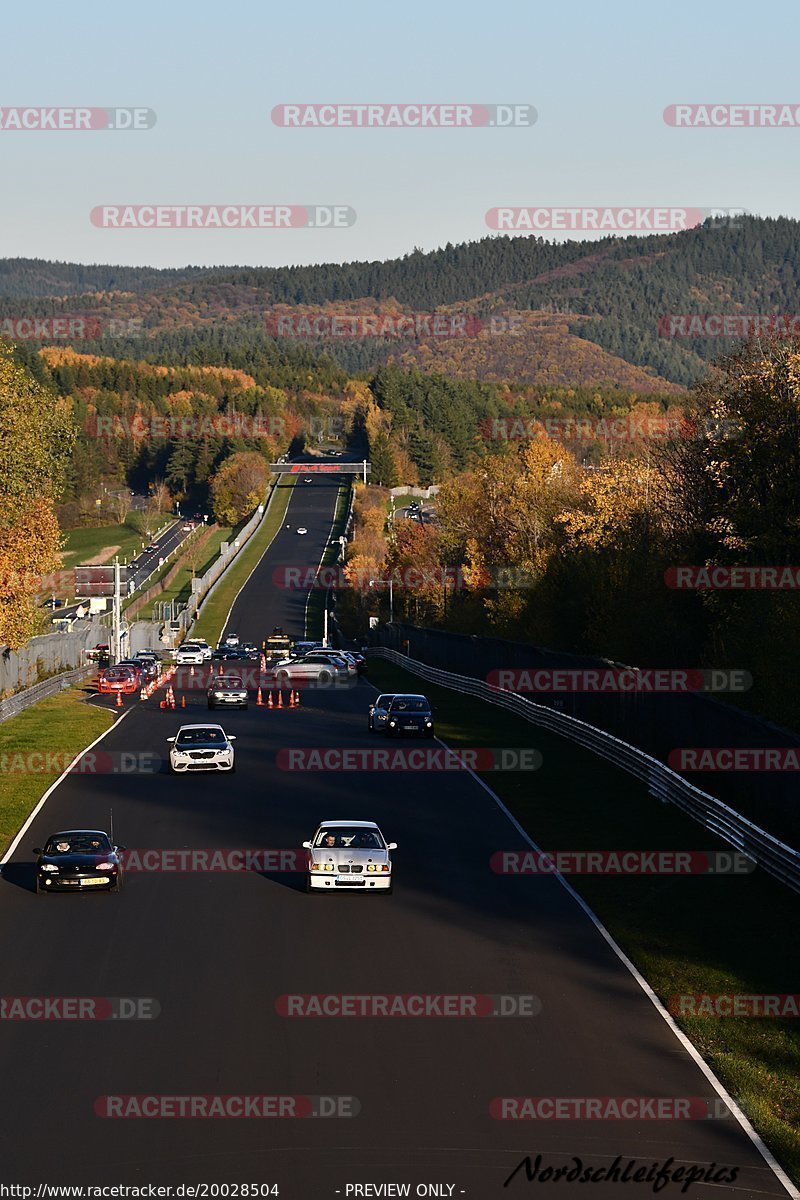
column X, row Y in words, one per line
column 778, row 859
column 40, row 691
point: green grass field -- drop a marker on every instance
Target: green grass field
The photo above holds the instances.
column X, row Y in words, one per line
column 685, row 934
column 83, row 544
column 55, row 730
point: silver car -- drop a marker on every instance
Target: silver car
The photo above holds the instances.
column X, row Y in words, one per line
column 316, row 667
column 349, row 855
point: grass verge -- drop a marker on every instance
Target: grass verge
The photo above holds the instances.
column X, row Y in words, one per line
column 215, row 609
column 35, row 748
column 686, row 934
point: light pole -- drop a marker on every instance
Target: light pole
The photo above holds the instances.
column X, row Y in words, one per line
column 382, row 583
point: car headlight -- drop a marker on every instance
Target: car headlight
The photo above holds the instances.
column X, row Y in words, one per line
column 104, row 866
column 316, row 866
column 429, row 723
column 328, row 866
column 372, row 867
column 48, row 867
column 393, row 723
column 386, row 867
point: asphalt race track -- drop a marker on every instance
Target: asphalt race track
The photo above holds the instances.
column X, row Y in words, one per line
column 217, row 949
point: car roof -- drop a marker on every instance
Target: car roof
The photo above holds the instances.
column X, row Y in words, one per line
column 348, row 824
column 204, row 725
column 410, row 696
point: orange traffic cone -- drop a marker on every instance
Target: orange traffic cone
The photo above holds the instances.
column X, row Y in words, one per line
column 183, row 702
column 270, row 703
column 220, row 670
column 170, row 697
column 119, row 699
column 280, row 697
column 143, row 694
column 297, row 699
column 291, row 699
column 259, row 698
column 191, row 672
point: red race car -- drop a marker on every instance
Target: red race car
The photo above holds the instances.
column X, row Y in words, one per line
column 117, row 679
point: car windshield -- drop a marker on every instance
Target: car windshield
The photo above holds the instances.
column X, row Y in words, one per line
column 409, row 704
column 194, row 737
column 383, row 701
column 119, row 674
column 77, row 843
column 348, row 839
column 229, row 681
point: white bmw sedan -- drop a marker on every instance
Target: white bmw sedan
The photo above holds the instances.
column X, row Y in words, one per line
column 201, row 748
column 349, row 855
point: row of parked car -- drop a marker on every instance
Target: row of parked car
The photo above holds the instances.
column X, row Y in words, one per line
column 131, row 674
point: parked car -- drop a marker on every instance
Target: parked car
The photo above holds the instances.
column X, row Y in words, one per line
column 349, row 854
column 409, row 714
column 76, row 859
column 117, row 679
column 201, row 748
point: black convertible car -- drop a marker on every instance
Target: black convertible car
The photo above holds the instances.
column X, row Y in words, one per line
column 78, row 859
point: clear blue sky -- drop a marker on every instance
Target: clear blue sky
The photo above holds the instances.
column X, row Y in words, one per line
column 599, row 74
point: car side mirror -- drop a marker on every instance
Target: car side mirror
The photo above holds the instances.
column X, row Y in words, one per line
column 306, row 845
column 391, row 846
column 38, row 850
column 231, row 737
column 120, row 848
column 171, row 739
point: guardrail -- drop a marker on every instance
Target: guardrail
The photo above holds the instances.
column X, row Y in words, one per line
column 778, row 859
column 40, row 691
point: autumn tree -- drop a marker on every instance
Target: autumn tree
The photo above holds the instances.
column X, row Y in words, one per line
column 239, row 486
column 36, row 439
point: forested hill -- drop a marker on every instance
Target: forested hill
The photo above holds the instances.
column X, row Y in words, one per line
column 615, row 292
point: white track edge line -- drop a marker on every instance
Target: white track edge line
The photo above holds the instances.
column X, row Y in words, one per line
column 688, row 1046
column 31, row 817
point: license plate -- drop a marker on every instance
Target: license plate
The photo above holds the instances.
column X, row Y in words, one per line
column 409, row 727
column 94, row 881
